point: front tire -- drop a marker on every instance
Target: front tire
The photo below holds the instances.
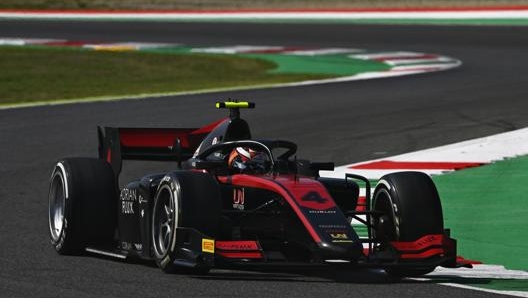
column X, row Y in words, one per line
column 411, row 209
column 183, row 199
column 82, row 204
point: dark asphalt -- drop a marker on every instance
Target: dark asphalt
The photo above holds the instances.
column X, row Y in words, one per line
column 343, row 122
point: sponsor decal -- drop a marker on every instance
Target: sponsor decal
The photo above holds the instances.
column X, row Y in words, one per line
column 126, row 245
column 239, row 249
column 237, row 245
column 138, row 246
column 339, row 237
column 322, row 211
column 342, row 241
column 238, row 198
column 208, row 245
column 142, row 200
column 332, row 226
column 128, row 197
column 127, row 207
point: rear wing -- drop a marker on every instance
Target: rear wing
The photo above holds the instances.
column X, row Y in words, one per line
column 162, row 144
column 170, row 144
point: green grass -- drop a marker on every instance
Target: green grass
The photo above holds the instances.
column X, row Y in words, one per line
column 33, row 74
column 487, row 210
column 338, row 64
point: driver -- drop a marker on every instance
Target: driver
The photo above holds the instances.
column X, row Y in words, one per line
column 247, row 160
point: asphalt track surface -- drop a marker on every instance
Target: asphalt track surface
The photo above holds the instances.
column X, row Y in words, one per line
column 343, row 122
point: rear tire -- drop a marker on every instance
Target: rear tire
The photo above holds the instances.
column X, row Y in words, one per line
column 82, row 204
column 183, row 199
column 412, row 209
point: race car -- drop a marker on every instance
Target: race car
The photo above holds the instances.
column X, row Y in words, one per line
column 236, row 201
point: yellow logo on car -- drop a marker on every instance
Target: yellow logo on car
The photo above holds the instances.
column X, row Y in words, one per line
column 208, row 245
column 339, row 236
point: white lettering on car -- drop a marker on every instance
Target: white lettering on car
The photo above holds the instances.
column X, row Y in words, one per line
column 128, row 197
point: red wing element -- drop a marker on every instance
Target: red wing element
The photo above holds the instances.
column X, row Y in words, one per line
column 154, row 137
column 166, row 144
column 425, row 247
column 158, row 143
column 239, row 249
column 420, row 244
column 462, row 262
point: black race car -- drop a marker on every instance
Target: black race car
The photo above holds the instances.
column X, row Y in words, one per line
column 238, row 201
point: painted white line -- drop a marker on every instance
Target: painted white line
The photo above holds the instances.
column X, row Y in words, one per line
column 383, row 55
column 131, row 45
column 280, row 15
column 238, row 49
column 328, row 51
column 6, row 41
column 481, row 271
column 398, row 62
column 427, row 67
column 411, row 61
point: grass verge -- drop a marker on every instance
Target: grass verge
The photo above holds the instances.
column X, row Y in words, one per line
column 35, row 74
column 487, row 210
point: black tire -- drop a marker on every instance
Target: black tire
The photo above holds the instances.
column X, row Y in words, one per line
column 183, row 199
column 82, row 204
column 412, row 209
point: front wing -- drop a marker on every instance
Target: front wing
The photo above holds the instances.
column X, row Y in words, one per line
column 199, row 250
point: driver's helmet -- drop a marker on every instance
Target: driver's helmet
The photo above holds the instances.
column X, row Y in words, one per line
column 247, row 160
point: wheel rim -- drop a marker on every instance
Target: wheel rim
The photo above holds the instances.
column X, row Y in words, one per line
column 383, row 202
column 57, row 202
column 164, row 221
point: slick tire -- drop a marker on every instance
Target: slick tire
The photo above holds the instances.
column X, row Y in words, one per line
column 411, row 209
column 183, row 199
column 82, row 204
